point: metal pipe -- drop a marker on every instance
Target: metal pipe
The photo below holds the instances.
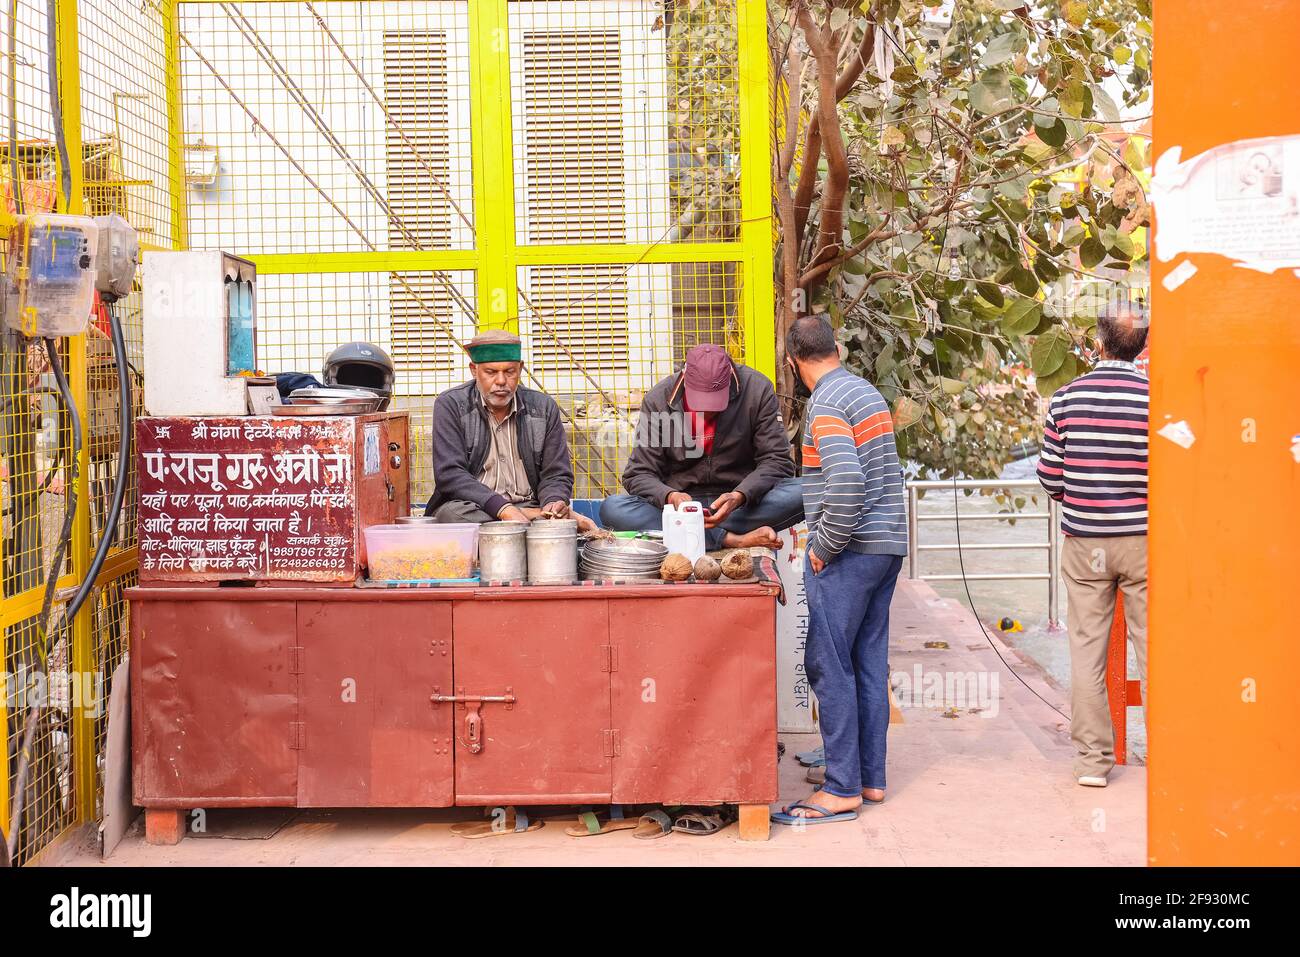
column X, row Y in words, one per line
column 992, row 577
column 1001, row 516
column 1054, row 565
column 981, row 547
column 912, row 531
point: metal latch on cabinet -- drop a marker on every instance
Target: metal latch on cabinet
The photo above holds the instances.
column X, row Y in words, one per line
column 471, row 703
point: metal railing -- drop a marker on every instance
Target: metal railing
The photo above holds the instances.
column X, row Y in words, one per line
column 1052, row 544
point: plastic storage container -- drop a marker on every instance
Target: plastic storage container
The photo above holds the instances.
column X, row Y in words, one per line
column 422, row 553
column 684, row 530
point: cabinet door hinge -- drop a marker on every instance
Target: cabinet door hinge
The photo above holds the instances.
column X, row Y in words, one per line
column 613, row 747
column 609, row 661
column 297, row 735
column 295, row 659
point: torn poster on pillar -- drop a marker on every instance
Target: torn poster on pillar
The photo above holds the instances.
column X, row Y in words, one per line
column 1240, row 200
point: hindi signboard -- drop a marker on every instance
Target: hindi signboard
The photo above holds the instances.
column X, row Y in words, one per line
column 257, row 497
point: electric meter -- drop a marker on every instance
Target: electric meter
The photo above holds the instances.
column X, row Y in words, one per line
column 50, row 274
column 119, row 254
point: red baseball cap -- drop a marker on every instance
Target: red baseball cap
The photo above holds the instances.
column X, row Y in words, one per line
column 708, row 378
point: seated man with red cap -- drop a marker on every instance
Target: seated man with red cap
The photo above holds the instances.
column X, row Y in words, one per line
column 712, row 434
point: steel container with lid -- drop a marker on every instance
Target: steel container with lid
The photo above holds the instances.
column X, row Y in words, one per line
column 552, row 551
column 502, row 552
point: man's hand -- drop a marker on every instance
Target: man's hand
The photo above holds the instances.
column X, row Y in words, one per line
column 556, row 509
column 816, row 563
column 677, row 499
column 512, row 513
column 722, row 506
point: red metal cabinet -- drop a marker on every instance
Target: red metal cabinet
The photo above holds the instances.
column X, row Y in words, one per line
column 214, row 703
column 554, row 743
column 693, row 695
column 370, row 737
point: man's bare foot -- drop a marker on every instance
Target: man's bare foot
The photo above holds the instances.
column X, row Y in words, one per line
column 763, row 537
column 832, row 802
column 873, row 794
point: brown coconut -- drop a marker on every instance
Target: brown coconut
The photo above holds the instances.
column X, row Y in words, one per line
column 707, row 569
column 675, row 568
column 738, row 564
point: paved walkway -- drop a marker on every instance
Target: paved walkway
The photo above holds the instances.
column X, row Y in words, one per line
column 975, row 779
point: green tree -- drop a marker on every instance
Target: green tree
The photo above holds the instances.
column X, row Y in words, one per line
column 919, row 170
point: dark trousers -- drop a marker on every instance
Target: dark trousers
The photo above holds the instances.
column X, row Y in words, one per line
column 780, row 508
column 847, row 660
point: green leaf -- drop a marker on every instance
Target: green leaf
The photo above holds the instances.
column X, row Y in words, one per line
column 990, row 294
column 992, row 93
column 1050, row 129
column 839, row 17
column 999, row 50
column 1068, row 371
column 1075, row 234
column 1022, row 317
column 1076, row 98
column 1122, row 247
column 952, row 386
column 1091, row 252
column 1104, row 105
column 1049, row 351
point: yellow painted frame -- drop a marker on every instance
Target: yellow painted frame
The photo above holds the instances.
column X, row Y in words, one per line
column 497, row 254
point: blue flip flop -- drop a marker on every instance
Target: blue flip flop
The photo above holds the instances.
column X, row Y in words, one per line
column 825, row 816
column 812, row 759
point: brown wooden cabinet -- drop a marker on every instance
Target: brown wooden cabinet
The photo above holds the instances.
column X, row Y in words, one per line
column 360, row 697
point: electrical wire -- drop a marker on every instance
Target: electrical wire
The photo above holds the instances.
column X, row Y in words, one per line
column 108, row 533
column 32, row 720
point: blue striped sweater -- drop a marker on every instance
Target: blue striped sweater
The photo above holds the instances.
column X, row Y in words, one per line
column 852, row 483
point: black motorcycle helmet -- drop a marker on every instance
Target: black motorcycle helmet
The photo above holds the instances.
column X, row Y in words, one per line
column 361, row 365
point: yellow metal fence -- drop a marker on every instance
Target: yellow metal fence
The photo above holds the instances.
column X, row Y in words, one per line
column 594, row 174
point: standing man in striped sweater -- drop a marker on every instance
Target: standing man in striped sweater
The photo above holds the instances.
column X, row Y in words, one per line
column 853, row 501
column 1094, row 463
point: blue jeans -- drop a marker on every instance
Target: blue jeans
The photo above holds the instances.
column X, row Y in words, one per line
column 847, row 660
column 780, row 508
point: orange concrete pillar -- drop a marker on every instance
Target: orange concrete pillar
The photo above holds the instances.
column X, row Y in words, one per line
column 1224, row 714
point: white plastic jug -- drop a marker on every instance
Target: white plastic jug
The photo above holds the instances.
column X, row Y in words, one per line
column 684, row 530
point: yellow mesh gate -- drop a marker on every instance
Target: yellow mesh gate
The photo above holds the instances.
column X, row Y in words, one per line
column 594, row 174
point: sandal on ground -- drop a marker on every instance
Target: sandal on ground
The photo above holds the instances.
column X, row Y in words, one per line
column 653, row 825
column 816, row 776
column 589, row 823
column 699, row 823
column 514, row 822
column 824, row 816
column 812, row 759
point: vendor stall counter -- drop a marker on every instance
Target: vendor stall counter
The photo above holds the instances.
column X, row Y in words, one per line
column 358, row 696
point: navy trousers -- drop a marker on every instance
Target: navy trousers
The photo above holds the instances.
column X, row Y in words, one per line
column 780, row 508
column 847, row 660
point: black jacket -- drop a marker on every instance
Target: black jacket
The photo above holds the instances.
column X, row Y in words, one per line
column 461, row 441
column 750, row 450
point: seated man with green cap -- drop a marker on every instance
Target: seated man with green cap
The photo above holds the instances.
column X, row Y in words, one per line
column 499, row 450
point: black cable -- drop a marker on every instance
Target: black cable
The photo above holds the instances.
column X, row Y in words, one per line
column 108, row 533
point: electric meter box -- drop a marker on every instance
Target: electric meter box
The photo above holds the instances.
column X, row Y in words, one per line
column 200, row 332
column 50, row 274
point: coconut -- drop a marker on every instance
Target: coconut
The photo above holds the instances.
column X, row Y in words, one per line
column 675, row 568
column 738, row 564
column 707, row 569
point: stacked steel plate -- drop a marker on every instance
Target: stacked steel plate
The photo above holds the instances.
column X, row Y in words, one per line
column 621, row 559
